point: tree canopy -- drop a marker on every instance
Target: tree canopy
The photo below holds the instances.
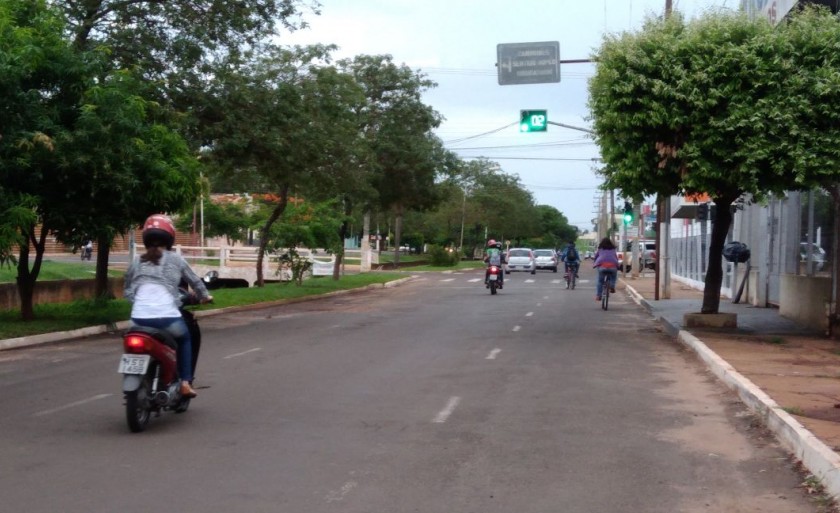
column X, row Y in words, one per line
column 720, row 105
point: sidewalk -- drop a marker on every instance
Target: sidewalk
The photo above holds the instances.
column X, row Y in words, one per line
column 787, row 374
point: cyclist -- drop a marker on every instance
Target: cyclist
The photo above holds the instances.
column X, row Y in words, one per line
column 606, row 261
column 571, row 258
column 493, row 256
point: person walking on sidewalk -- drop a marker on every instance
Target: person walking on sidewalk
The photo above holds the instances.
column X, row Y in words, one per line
column 606, row 261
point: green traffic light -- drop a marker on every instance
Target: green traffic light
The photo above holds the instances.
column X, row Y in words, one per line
column 533, row 120
column 628, row 218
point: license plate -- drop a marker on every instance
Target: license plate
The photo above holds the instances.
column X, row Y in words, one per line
column 134, row 363
column 512, row 266
column 493, row 277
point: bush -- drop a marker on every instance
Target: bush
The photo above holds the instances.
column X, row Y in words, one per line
column 443, row 257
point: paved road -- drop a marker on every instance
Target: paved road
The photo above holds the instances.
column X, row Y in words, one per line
column 429, row 397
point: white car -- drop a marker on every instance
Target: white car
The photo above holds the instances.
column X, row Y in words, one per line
column 521, row 259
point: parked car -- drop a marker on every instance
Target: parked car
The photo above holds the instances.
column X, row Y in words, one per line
column 521, row 259
column 817, row 253
column 649, row 254
column 545, row 259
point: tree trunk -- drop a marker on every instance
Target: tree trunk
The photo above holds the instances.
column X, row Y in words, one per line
column 714, row 273
column 102, row 288
column 833, row 330
column 342, row 235
column 27, row 277
column 397, row 235
column 266, row 230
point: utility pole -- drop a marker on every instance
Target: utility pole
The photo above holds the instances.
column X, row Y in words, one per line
column 663, row 230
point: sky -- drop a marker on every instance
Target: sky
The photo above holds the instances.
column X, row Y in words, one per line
column 454, row 43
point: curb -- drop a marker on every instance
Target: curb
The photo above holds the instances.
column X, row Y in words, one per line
column 817, row 457
column 58, row 336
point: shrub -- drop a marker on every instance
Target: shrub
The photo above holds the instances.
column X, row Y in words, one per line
column 443, row 257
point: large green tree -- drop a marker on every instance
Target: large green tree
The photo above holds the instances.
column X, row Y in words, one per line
column 286, row 118
column 719, row 105
column 405, row 158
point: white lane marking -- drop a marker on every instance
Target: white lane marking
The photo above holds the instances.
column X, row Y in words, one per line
column 517, row 328
column 446, row 412
column 556, row 281
column 449, row 279
column 530, row 281
column 529, row 314
column 242, row 353
column 493, row 354
column 338, row 495
column 73, row 404
column 474, row 280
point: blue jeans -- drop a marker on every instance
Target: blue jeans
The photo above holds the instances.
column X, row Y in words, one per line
column 613, row 276
column 176, row 327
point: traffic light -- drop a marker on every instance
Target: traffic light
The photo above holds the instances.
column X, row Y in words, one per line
column 628, row 213
column 703, row 212
column 533, row 120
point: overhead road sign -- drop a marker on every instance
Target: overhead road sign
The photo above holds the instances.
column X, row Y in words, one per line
column 528, row 63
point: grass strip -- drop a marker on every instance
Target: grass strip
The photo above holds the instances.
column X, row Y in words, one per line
column 80, row 314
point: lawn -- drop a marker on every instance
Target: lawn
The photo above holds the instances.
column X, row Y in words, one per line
column 52, row 270
column 80, row 314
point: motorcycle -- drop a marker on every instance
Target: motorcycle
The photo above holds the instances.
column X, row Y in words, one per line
column 494, row 282
column 149, row 369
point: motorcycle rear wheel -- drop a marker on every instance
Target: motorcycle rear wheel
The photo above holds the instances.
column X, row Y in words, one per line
column 136, row 409
column 493, row 288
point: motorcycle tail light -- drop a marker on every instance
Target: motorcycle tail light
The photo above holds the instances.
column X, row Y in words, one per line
column 135, row 344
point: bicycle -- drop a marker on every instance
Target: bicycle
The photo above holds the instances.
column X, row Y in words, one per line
column 570, row 277
column 605, row 292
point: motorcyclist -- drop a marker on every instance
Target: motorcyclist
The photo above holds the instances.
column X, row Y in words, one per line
column 151, row 284
column 493, row 256
column 571, row 258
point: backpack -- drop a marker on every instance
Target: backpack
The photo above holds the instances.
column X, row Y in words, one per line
column 494, row 257
column 571, row 255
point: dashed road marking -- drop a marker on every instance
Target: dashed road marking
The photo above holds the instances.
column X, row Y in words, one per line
column 517, row 328
column 444, row 414
column 493, row 354
column 72, row 405
column 242, row 353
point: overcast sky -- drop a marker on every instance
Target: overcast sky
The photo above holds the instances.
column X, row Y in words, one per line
column 454, row 43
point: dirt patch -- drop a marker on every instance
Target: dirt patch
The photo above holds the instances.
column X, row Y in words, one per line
column 801, row 374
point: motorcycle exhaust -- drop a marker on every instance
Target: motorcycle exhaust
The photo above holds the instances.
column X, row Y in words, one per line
column 162, row 398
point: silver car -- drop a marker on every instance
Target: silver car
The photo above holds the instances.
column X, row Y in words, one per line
column 521, row 259
column 546, row 259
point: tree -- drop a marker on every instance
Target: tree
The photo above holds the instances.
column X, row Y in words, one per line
column 721, row 105
column 38, row 72
column 286, row 117
column 405, row 156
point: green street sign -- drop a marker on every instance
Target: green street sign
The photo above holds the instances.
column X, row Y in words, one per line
column 533, row 120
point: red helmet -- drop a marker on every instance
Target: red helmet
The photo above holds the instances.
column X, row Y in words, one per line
column 158, row 230
column 491, row 243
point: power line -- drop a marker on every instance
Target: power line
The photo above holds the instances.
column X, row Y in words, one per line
column 455, row 141
column 594, row 159
column 527, row 146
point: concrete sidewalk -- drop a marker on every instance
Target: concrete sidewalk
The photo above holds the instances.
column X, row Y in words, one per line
column 814, row 454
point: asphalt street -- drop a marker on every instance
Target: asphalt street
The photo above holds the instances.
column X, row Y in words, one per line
column 433, row 396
